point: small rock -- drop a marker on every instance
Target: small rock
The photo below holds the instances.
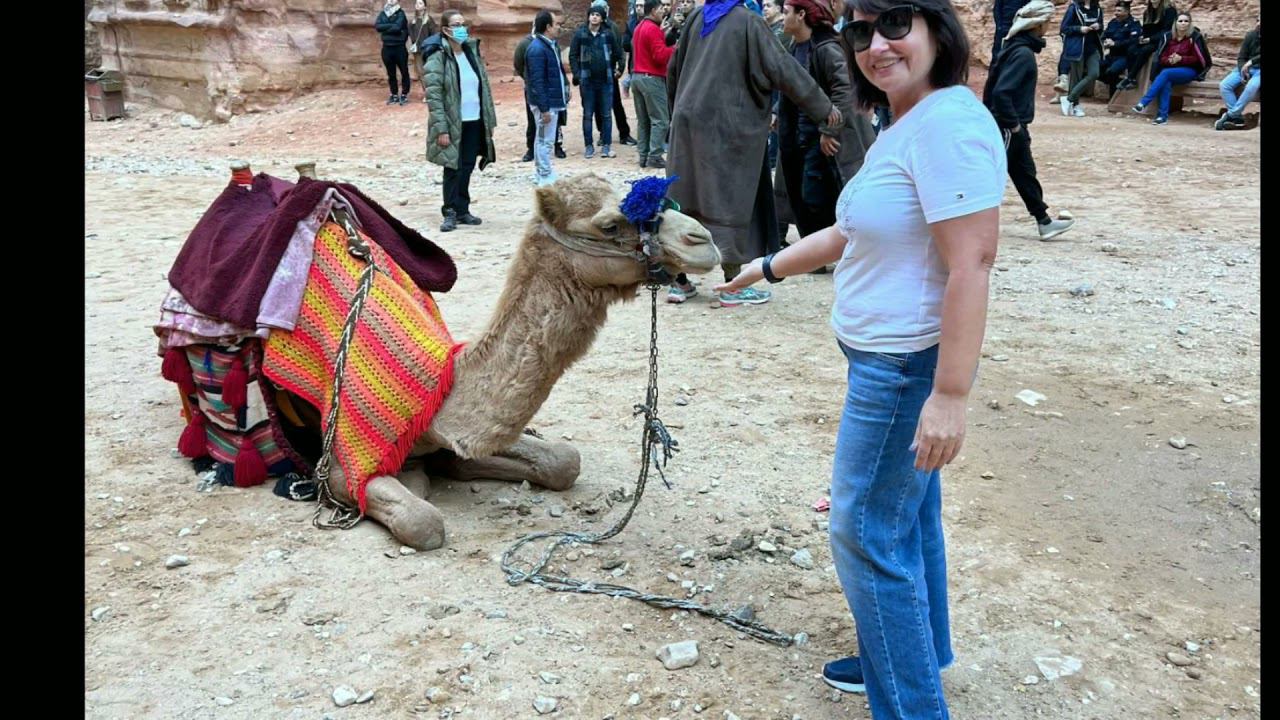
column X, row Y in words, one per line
column 634, row 699
column 728, row 715
column 549, row 678
column 184, row 532
column 437, row 696
column 176, row 561
column 1110, row 248
column 993, row 404
column 628, row 627
column 1031, row 680
column 1192, row 647
column 1030, row 397
column 406, row 550
column 1082, row 290
column 555, row 511
column 1178, row 441
column 803, row 559
column 800, row 639
column 495, row 615
column 681, row 400
column 1052, row 550
column 687, row 557
column 101, row 613
column 344, row 696
column 1194, row 673
column 999, row 358
column 767, row 547
column 1228, row 399
column 1053, row 667
column 365, row 697
column 545, row 704
column 1178, row 659
column 679, row 655
column 188, row 121
column 988, row 475
column 224, row 701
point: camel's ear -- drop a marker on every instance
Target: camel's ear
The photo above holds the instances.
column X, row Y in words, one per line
column 550, row 206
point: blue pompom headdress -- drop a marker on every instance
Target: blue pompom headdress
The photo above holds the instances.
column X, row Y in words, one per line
column 647, row 199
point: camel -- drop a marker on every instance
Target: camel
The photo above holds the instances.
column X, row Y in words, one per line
column 555, row 300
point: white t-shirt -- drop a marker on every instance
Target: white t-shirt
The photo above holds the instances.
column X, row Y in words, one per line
column 945, row 158
column 469, row 84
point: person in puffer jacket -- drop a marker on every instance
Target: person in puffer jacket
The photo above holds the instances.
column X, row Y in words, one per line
column 1181, row 57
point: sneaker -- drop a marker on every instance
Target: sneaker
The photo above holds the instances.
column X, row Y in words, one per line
column 393, row 99
column 528, row 156
column 643, row 161
column 450, row 221
column 679, row 293
column 1127, row 84
column 845, row 675
column 1236, row 122
column 588, row 152
column 746, row 296
column 1228, row 121
column 656, row 162
column 628, row 141
column 469, row 219
column 1076, row 110
column 1160, row 120
column 1139, row 108
column 606, row 151
column 404, row 100
column 1054, row 228
column 560, row 152
column 1066, row 105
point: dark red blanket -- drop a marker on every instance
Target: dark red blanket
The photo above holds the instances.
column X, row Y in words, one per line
column 227, row 262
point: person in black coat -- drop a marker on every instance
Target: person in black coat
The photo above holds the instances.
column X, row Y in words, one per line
column 393, row 26
column 1010, row 95
column 1157, row 20
column 1122, row 33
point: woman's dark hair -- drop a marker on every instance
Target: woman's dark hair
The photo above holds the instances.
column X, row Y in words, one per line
column 950, row 67
column 447, row 17
column 542, row 21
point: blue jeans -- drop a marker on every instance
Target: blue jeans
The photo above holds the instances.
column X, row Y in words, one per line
column 886, row 535
column 597, row 100
column 544, row 140
column 1162, row 87
column 1236, row 105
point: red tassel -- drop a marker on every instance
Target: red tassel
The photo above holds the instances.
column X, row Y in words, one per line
column 251, row 469
column 177, row 369
column 193, row 442
column 235, row 386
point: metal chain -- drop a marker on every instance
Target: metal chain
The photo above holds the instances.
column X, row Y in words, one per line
column 656, row 448
column 341, row 514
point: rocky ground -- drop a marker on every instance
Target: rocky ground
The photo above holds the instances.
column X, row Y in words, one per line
column 1103, row 542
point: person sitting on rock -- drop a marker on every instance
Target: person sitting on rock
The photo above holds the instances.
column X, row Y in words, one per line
column 1248, row 72
column 1122, row 33
column 1181, row 56
column 1157, row 20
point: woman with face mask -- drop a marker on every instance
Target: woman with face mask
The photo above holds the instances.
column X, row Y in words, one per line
column 461, row 118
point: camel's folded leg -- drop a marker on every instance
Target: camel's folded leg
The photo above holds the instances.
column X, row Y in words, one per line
column 412, row 520
column 552, row 465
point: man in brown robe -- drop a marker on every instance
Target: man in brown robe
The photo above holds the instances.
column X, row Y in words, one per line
column 720, row 130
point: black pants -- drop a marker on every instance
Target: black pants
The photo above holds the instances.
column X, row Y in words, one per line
column 1022, row 170
column 531, row 128
column 457, row 183
column 396, row 57
column 813, row 182
column 1138, row 55
column 619, row 115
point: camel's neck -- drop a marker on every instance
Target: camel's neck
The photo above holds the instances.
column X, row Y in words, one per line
column 544, row 321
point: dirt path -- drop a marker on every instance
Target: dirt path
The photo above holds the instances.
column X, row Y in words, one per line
column 1074, row 527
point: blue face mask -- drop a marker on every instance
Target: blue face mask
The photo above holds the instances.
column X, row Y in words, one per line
column 459, row 34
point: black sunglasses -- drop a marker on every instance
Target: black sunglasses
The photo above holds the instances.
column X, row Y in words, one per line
column 892, row 24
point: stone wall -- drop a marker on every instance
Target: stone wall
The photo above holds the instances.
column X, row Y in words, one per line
column 92, row 48
column 215, row 58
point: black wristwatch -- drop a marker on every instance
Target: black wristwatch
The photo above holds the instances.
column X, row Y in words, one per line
column 765, row 267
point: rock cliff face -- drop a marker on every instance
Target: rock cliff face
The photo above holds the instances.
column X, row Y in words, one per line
column 216, row 58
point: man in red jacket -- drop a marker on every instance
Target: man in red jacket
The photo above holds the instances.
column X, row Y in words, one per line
column 649, row 82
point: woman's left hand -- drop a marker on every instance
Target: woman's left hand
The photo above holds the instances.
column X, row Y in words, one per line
column 940, row 432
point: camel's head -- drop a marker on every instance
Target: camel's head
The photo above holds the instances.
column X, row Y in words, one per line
column 583, row 214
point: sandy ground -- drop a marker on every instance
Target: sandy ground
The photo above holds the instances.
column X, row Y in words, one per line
column 1075, row 529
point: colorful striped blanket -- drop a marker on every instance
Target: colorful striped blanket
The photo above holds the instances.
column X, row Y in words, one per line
column 399, row 366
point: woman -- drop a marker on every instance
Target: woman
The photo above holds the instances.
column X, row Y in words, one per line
column 1157, row 19
column 460, row 119
column 420, row 29
column 1082, row 47
column 393, row 26
column 915, row 237
column 1181, row 56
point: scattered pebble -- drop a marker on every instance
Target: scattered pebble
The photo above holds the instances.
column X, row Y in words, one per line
column 1110, row 248
column 549, row 678
column 1178, row 441
column 988, row 475
column 1194, row 673
column 224, row 701
column 1082, row 290
column 803, row 559
column 545, row 704
column 1053, row 667
column 365, row 697
column 634, row 699
column 344, row 696
column 1030, row 397
column 767, row 547
column 679, row 655
column 1031, row 680
column 1178, row 659
column 101, row 613
column 176, row 561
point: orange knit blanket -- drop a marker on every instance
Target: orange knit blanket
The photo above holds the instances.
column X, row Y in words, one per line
column 399, row 366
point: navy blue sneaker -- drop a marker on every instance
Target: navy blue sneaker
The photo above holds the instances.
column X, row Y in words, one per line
column 845, row 675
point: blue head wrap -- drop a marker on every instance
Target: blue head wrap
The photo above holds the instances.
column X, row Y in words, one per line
column 713, row 10
column 645, row 200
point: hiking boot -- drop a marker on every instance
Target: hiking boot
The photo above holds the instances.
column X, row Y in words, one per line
column 528, row 156
column 628, row 140
column 560, row 152
column 678, row 293
column 1054, row 228
column 1160, row 120
column 746, row 296
column 393, row 99
column 450, row 221
column 468, row 219
column 607, row 151
column 588, row 152
column 845, row 675
column 656, row 162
